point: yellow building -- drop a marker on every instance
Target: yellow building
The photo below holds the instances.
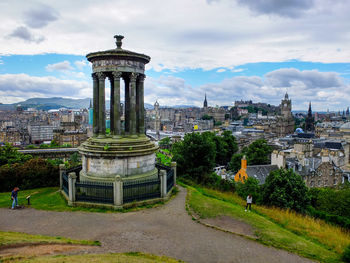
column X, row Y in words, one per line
column 258, row 172
column 241, row 175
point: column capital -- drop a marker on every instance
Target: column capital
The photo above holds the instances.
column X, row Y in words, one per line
column 142, row 77
column 133, row 76
column 101, row 76
column 94, row 76
column 117, row 74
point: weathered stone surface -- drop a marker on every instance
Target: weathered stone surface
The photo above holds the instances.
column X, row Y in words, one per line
column 128, row 153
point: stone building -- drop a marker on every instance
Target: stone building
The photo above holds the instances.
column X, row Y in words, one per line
column 285, row 122
column 259, row 172
column 309, row 121
column 321, row 164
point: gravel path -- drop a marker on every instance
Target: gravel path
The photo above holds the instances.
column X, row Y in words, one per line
column 165, row 230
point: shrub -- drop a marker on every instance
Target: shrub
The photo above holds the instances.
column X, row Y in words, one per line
column 332, row 201
column 250, row 186
column 329, row 218
column 32, row 174
column 285, row 189
column 346, row 254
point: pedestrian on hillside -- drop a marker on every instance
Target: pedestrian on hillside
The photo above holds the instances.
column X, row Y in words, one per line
column 249, row 202
column 14, row 194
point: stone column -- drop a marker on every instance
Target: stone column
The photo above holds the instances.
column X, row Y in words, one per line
column 140, row 105
column 101, row 105
column 132, row 124
column 127, row 104
column 116, row 95
column 111, row 106
column 62, row 169
column 71, row 188
column 95, row 121
column 163, row 183
column 118, row 191
column 173, row 166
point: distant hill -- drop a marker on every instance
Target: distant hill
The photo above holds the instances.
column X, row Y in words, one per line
column 55, row 103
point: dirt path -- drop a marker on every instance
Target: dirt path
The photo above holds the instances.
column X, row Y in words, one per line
column 166, row 230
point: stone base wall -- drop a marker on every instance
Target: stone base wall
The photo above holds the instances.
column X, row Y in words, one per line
column 123, row 166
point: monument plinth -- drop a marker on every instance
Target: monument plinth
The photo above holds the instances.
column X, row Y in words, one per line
column 126, row 151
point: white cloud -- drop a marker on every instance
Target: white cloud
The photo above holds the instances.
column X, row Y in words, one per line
column 221, row 70
column 321, row 88
column 80, row 64
column 16, row 87
column 221, row 34
column 60, row 66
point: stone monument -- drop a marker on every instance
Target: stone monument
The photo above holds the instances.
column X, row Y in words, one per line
column 126, row 151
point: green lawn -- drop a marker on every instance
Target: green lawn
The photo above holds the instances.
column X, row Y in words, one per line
column 11, row 238
column 208, row 204
column 50, row 198
column 132, row 257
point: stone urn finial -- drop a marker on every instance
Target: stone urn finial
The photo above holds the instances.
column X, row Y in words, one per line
column 119, row 41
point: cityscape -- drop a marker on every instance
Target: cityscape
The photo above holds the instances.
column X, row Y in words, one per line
column 202, row 131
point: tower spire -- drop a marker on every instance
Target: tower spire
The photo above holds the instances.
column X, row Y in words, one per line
column 205, row 104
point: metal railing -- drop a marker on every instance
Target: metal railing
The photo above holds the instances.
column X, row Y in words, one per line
column 169, row 180
column 96, row 192
column 141, row 190
column 65, row 183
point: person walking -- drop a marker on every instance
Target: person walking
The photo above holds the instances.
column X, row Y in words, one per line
column 249, row 202
column 14, row 194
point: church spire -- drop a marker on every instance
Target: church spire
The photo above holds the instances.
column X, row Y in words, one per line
column 205, row 104
column 286, row 97
column 309, row 121
column 309, row 113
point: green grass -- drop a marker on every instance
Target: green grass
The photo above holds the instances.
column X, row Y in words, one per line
column 11, row 238
column 209, row 204
column 131, row 257
column 50, row 198
column 164, row 159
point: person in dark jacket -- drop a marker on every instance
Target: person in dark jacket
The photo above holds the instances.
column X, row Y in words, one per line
column 14, row 194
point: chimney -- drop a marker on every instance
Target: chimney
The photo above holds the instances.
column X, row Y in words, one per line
column 244, row 163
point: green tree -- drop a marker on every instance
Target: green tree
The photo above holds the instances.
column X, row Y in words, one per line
column 256, row 153
column 165, row 141
column 74, row 160
column 207, row 117
column 54, row 144
column 235, row 163
column 232, row 146
column 285, row 189
column 10, row 155
column 195, row 156
column 250, row 186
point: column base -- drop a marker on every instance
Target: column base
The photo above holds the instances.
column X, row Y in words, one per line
column 101, row 136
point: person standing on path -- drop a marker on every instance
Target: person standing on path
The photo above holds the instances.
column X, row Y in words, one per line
column 14, row 194
column 249, row 202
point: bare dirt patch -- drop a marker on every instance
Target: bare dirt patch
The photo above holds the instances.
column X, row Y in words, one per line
column 230, row 224
column 40, row 249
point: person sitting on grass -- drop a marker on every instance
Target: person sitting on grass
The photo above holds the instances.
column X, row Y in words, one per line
column 14, row 197
column 249, row 202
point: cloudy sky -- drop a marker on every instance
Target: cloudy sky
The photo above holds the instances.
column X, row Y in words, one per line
column 228, row 49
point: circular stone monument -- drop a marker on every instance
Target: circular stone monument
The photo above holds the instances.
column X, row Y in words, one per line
column 126, row 151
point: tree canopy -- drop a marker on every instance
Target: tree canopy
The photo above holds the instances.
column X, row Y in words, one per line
column 197, row 154
column 285, row 189
column 256, row 153
column 10, row 155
